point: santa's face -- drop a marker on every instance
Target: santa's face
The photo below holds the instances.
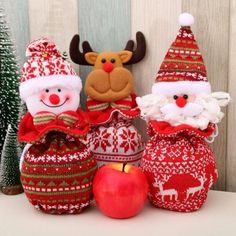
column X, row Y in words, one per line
column 191, row 109
column 55, row 100
column 182, row 104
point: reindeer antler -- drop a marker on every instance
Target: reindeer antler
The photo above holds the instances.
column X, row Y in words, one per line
column 140, row 50
column 76, row 55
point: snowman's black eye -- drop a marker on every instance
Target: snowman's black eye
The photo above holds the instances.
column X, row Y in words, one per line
column 59, row 90
column 47, row 90
column 175, row 97
column 185, row 96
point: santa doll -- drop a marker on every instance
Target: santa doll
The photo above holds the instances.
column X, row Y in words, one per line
column 57, row 167
column 182, row 115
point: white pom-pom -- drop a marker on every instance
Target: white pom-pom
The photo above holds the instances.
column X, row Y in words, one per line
column 186, row 19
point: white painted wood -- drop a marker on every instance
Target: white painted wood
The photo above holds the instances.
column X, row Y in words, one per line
column 211, row 29
column 216, row 218
column 157, row 19
column 55, row 19
column 231, row 126
column 106, row 25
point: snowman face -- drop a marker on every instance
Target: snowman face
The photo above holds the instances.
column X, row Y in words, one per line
column 55, row 100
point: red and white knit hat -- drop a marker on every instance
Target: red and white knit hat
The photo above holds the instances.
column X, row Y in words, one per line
column 46, row 68
column 183, row 69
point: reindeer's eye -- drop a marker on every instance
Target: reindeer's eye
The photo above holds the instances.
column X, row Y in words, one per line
column 59, row 90
column 175, row 97
column 103, row 60
column 185, row 96
column 47, row 90
column 113, row 60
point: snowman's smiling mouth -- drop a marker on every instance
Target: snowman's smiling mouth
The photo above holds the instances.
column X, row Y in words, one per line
column 54, row 106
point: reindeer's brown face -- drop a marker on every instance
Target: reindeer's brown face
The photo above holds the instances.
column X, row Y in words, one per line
column 109, row 80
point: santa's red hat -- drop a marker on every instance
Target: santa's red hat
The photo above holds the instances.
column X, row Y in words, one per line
column 46, row 68
column 183, row 70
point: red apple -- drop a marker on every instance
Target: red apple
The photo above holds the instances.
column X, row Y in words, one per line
column 120, row 190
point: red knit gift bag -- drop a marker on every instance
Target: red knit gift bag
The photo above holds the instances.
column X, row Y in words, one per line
column 179, row 165
column 57, row 174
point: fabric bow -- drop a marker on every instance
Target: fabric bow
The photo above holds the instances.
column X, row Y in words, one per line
column 123, row 104
column 68, row 118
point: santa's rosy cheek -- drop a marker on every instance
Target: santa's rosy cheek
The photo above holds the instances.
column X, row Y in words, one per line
column 68, row 98
column 171, row 99
column 191, row 98
column 43, row 96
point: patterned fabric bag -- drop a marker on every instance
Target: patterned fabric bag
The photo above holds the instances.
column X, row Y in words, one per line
column 179, row 165
column 57, row 174
column 116, row 141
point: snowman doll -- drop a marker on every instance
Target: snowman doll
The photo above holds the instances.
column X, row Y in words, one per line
column 57, row 168
column 182, row 115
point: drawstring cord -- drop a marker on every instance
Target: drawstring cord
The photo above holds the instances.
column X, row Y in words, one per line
column 213, row 136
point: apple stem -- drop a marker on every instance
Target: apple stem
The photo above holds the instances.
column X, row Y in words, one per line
column 123, row 168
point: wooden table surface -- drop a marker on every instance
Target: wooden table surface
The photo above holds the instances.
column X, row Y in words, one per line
column 216, row 217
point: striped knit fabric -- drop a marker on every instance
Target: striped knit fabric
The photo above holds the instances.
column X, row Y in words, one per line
column 124, row 104
column 57, row 175
column 183, row 61
column 42, row 118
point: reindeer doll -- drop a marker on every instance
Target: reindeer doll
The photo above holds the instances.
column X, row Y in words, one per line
column 111, row 101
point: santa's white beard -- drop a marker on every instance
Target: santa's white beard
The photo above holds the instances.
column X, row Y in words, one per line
column 205, row 109
column 190, row 109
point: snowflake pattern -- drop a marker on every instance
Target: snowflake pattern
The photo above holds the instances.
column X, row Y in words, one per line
column 28, row 72
column 56, row 67
column 116, row 141
column 102, row 139
column 129, row 141
column 44, row 60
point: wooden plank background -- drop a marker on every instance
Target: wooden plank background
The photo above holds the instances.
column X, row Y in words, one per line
column 159, row 32
column 212, row 15
column 55, row 19
column 17, row 17
column 108, row 24
column 231, row 134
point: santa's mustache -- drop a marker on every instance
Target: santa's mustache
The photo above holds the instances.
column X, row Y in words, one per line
column 190, row 109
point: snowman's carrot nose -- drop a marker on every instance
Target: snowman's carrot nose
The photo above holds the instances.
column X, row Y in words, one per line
column 54, row 99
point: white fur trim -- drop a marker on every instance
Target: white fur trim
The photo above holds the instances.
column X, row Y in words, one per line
column 181, row 87
column 186, row 19
column 37, row 84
